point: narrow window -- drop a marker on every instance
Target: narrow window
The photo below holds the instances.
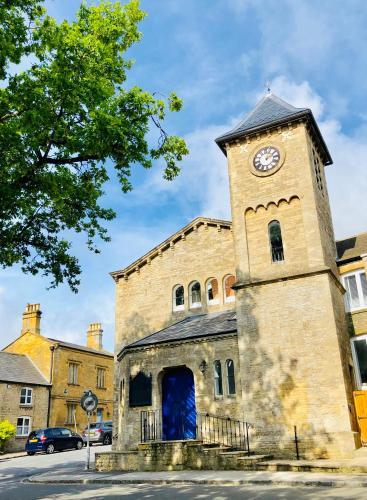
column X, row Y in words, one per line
column 26, row 396
column 101, row 372
column 360, row 351
column 178, row 298
column 71, row 413
column 212, row 295
column 276, row 242
column 23, row 426
column 231, row 383
column 229, row 295
column 195, row 294
column 218, row 386
column 73, row 373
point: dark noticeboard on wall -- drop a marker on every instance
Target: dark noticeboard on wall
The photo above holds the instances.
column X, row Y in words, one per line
column 140, row 390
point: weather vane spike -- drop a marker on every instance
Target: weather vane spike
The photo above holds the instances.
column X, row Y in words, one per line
column 267, row 85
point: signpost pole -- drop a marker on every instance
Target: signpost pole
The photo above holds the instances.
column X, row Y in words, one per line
column 89, row 403
column 88, row 445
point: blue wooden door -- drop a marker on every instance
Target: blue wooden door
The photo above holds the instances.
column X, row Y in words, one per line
column 178, row 404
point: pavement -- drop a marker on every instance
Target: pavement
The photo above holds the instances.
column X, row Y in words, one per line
column 20, row 478
column 227, row 478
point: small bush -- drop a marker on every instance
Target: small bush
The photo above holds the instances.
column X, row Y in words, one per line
column 7, row 431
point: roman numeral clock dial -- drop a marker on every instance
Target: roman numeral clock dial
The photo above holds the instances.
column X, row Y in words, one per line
column 266, row 160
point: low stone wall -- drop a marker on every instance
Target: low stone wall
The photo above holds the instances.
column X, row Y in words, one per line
column 117, row 460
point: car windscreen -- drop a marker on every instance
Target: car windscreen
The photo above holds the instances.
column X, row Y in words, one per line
column 94, row 426
column 37, row 434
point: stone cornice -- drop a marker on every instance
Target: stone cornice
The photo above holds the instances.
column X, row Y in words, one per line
column 324, row 270
column 169, row 243
column 176, row 343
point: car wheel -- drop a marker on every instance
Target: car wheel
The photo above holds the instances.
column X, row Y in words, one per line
column 79, row 445
column 31, row 453
column 107, row 439
column 50, row 449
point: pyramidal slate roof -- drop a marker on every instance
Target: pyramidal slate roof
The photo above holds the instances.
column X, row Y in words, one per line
column 201, row 325
column 272, row 111
column 19, row 368
column 352, row 248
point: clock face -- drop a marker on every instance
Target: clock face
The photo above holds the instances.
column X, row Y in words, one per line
column 266, row 159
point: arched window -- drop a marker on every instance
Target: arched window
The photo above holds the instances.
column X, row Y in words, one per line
column 178, row 298
column 218, row 386
column 229, row 295
column 276, row 242
column 212, row 295
column 231, row 382
column 195, row 294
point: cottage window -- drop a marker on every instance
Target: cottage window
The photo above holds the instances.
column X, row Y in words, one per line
column 231, row 383
column 178, row 298
column 229, row 295
column 26, row 394
column 99, row 417
column 195, row 294
column 23, row 426
column 101, row 375
column 356, row 286
column 212, row 295
column 73, row 374
column 218, row 385
column 276, row 241
column 71, row 413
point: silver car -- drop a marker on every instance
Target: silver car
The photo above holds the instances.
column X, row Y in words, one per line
column 99, row 432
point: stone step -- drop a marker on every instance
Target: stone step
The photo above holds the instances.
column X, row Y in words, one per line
column 233, row 453
column 253, row 460
column 340, row 468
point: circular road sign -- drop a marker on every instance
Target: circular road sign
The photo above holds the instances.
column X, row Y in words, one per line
column 89, row 401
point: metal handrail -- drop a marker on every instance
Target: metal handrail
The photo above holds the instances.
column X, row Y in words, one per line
column 211, row 429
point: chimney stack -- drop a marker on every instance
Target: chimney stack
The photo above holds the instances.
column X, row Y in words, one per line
column 94, row 336
column 31, row 319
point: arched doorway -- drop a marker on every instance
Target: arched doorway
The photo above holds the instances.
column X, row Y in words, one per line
column 178, row 404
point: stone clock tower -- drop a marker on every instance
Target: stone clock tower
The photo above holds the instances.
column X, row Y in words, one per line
column 294, row 349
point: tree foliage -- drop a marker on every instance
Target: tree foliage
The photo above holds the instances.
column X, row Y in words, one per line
column 7, row 431
column 61, row 120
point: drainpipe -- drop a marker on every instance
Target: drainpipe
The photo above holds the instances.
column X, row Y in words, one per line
column 52, row 349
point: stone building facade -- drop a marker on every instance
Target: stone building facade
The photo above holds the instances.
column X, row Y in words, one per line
column 70, row 369
column 24, row 397
column 256, row 305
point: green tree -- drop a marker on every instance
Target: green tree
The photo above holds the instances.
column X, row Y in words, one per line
column 7, row 431
column 61, row 120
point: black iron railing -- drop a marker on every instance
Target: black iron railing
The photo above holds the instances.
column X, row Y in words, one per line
column 151, row 425
column 222, row 430
column 211, row 429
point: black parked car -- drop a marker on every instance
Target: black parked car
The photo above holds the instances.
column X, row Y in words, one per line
column 52, row 439
column 100, row 432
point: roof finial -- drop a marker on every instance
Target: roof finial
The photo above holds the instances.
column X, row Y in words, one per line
column 267, row 85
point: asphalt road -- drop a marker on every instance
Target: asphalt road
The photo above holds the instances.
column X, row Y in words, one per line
column 14, row 471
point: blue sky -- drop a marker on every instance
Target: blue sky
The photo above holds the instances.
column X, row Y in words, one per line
column 217, row 55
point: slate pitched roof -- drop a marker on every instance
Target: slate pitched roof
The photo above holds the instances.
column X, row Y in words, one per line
column 352, row 248
column 203, row 325
column 20, row 369
column 272, row 111
column 81, row 347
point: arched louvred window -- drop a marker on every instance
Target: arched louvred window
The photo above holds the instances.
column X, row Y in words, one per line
column 229, row 295
column 178, row 298
column 195, row 294
column 276, row 242
column 231, row 382
column 212, row 295
column 218, row 385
